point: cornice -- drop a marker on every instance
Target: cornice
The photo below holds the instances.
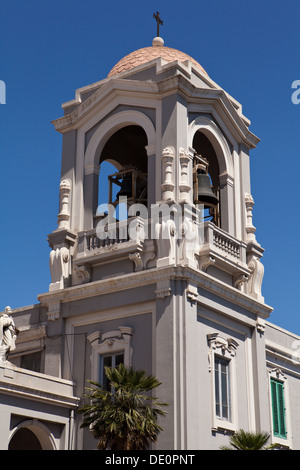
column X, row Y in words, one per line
column 177, row 83
column 36, row 386
column 152, row 277
column 109, row 90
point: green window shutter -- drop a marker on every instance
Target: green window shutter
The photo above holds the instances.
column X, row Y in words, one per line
column 278, row 409
column 274, row 408
column 282, row 428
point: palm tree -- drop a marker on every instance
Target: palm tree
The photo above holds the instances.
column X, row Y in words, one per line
column 242, row 440
column 125, row 416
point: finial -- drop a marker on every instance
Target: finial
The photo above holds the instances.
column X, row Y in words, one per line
column 158, row 21
column 157, row 42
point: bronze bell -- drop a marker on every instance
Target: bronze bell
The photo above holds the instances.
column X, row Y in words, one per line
column 205, row 194
column 126, row 187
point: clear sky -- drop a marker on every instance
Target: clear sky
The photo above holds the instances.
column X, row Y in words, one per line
column 49, row 49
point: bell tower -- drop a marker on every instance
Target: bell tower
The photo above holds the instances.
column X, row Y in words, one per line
column 171, row 253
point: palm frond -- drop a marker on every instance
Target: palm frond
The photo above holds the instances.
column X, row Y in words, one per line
column 124, row 417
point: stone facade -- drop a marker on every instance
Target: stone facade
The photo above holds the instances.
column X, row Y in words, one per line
column 175, row 294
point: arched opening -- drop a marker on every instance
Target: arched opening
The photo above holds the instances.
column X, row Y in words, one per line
column 31, row 435
column 24, row 439
column 205, row 157
column 124, row 167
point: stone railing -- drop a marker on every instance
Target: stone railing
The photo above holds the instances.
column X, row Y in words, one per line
column 218, row 242
column 110, row 236
column 134, row 235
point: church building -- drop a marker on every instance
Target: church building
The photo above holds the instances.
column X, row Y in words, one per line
column 154, row 264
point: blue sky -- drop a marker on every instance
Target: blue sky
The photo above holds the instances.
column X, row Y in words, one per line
column 49, row 49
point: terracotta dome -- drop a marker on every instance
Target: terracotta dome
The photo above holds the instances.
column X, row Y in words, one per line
column 141, row 56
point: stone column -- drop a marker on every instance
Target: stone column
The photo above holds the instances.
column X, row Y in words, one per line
column 185, row 186
column 250, row 229
column 168, row 185
column 261, row 402
column 64, row 214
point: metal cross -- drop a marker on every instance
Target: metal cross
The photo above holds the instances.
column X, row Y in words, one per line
column 158, row 21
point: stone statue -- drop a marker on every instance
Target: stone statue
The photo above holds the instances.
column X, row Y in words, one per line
column 8, row 334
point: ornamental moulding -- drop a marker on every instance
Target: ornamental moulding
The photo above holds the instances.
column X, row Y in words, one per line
column 153, row 276
column 224, row 346
column 118, row 86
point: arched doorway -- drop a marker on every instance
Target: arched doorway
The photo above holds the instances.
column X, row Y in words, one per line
column 24, row 439
column 31, row 435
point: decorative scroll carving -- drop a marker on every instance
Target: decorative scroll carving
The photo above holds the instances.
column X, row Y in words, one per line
column 166, row 242
column 137, row 259
column 239, row 281
column 277, row 372
column 226, row 347
column 206, row 261
column 83, row 272
column 190, row 242
column 256, row 277
column 59, row 267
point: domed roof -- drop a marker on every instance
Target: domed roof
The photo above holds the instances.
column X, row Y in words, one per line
column 141, row 56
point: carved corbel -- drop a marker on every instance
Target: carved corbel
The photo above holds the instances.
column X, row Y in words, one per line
column 205, row 262
column 163, row 289
column 54, row 308
column 166, row 243
column 256, row 277
column 189, row 242
column 225, row 346
column 83, row 273
column 137, row 259
column 141, row 259
column 239, row 281
column 192, row 292
column 148, row 253
column 260, row 325
column 59, row 267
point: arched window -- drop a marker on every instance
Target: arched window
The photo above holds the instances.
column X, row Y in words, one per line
column 123, row 167
column 204, row 148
